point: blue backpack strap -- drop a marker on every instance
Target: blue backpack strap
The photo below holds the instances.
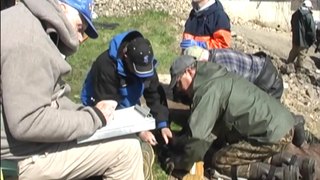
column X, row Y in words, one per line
column 87, row 91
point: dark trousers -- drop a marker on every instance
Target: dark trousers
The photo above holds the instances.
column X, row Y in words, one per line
column 7, row 3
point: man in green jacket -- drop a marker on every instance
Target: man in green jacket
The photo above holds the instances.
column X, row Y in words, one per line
column 256, row 129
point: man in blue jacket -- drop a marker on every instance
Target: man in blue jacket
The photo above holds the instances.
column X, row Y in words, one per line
column 124, row 73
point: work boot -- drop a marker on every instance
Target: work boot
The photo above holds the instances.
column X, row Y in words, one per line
column 264, row 171
column 299, row 132
column 311, row 138
column 306, row 165
column 148, row 159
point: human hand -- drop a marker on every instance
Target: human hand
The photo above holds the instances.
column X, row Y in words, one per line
column 185, row 43
column 148, row 137
column 107, row 107
column 166, row 134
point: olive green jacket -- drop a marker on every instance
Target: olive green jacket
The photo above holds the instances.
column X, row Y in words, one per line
column 226, row 104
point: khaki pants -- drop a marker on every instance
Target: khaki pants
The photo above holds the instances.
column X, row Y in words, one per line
column 113, row 159
column 297, row 52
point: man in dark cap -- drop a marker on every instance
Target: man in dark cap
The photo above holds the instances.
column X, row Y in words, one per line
column 124, row 73
column 39, row 123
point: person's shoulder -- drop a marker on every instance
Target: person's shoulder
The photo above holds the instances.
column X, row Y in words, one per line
column 104, row 59
column 104, row 63
column 217, row 7
column 154, row 77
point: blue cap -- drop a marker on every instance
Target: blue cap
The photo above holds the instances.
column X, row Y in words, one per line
column 85, row 8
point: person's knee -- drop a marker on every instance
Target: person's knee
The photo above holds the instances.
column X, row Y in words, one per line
column 132, row 144
column 132, row 148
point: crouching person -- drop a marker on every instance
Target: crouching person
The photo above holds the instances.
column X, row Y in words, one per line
column 256, row 68
column 39, row 123
column 255, row 130
column 125, row 73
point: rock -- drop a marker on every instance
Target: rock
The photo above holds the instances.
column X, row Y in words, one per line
column 287, row 68
column 310, row 92
column 285, row 85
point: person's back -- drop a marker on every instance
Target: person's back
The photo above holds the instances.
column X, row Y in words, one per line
column 228, row 92
column 256, row 68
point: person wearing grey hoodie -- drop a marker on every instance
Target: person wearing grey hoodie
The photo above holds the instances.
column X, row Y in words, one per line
column 39, row 123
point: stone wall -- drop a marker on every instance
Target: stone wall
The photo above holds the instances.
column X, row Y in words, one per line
column 271, row 13
column 179, row 8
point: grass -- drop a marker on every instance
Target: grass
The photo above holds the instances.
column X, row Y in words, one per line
column 158, row 27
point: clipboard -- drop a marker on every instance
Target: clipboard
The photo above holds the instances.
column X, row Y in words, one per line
column 126, row 121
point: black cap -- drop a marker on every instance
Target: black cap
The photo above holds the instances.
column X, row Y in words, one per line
column 140, row 52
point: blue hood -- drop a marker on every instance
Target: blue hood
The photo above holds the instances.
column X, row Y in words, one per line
column 115, row 44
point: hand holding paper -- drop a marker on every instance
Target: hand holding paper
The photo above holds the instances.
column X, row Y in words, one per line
column 126, row 121
column 107, row 107
column 148, row 137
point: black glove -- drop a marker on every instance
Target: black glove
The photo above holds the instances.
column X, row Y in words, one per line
column 298, row 135
column 164, row 157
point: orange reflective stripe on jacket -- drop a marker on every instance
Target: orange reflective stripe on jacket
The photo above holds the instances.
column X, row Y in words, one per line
column 219, row 39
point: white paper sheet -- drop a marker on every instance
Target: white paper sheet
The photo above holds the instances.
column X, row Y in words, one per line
column 126, row 121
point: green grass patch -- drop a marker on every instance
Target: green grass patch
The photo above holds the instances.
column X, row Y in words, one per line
column 158, row 27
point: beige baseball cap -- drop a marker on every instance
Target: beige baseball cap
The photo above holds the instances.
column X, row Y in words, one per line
column 178, row 67
column 194, row 51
